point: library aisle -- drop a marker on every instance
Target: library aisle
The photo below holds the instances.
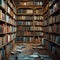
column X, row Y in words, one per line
column 23, row 51
column 29, row 29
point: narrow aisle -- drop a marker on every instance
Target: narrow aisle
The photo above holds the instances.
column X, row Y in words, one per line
column 28, row 52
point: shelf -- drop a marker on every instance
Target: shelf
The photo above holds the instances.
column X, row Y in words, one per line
column 25, row 25
column 25, row 14
column 2, row 21
column 2, row 8
column 10, row 15
column 30, row 6
column 7, row 33
column 23, row 20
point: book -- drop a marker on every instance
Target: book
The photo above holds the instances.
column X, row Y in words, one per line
column 2, row 3
column 0, row 55
column 2, row 50
column 1, row 40
column 58, row 18
column 57, row 40
column 0, row 14
column 8, row 9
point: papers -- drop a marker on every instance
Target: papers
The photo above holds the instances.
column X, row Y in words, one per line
column 34, row 56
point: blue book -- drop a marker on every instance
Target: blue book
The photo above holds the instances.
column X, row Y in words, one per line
column 3, row 53
column 57, row 40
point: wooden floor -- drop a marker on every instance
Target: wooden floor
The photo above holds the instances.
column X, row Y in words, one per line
column 29, row 49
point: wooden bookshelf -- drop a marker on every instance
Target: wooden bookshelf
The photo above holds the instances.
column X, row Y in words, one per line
column 7, row 28
column 30, row 21
column 51, row 28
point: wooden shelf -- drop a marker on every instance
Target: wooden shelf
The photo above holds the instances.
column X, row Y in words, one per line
column 24, row 14
column 30, row 6
column 7, row 33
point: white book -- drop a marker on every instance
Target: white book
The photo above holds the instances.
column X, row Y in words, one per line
column 0, row 14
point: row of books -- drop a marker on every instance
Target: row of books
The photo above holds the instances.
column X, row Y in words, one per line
column 46, row 15
column 54, row 49
column 52, row 20
column 40, row 11
column 31, row 3
column 29, row 23
column 32, row 28
column 51, row 2
column 6, row 18
column 28, row 39
column 30, row 18
column 20, row 10
column 7, row 8
column 4, row 53
column 8, row 49
column 53, row 38
column 24, row 23
column 38, row 18
column 54, row 28
column 5, row 28
column 24, row 11
column 46, row 8
column 55, row 8
column 10, row 20
column 2, row 15
column 2, row 3
column 7, row 38
column 21, row 33
column 12, row 6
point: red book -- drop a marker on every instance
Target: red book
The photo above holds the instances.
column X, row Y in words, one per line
column 55, row 28
column 58, row 28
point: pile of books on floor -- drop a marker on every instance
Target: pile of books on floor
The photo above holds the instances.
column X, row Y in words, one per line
column 22, row 56
column 39, row 47
column 45, row 57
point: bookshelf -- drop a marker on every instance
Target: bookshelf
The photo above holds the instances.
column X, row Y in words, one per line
column 29, row 21
column 51, row 28
column 7, row 28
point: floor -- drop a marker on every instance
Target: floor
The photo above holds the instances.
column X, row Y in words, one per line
column 23, row 51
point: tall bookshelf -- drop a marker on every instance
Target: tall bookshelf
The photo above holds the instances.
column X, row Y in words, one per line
column 29, row 21
column 7, row 28
column 52, row 28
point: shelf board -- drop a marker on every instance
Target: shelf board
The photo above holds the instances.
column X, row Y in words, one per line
column 29, row 6
column 7, row 33
column 24, row 14
column 2, row 8
column 24, row 20
column 25, row 25
column 29, row 14
column 2, row 21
